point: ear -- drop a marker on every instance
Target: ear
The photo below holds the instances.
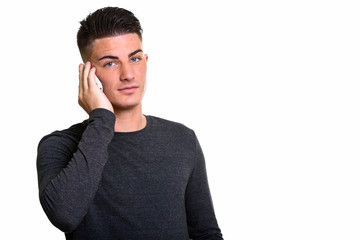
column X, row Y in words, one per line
column 146, row 57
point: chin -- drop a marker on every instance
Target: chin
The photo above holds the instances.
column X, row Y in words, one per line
column 127, row 106
column 126, row 102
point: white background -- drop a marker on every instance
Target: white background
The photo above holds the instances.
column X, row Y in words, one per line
column 270, row 87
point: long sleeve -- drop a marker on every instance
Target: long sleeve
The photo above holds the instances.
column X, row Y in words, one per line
column 202, row 223
column 70, row 165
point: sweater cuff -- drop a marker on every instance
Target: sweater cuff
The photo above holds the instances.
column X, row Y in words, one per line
column 101, row 118
column 102, row 113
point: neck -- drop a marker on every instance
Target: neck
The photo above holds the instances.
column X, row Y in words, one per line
column 129, row 120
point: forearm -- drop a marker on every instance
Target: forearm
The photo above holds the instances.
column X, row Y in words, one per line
column 202, row 223
column 68, row 181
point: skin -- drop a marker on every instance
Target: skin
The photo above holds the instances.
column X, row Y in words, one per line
column 121, row 65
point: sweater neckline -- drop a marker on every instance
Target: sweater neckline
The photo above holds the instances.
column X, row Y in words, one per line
column 143, row 130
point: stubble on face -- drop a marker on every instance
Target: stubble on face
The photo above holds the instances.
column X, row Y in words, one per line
column 121, row 65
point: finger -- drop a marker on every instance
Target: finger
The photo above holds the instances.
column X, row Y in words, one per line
column 81, row 69
column 82, row 77
column 81, row 86
column 91, row 77
column 86, row 75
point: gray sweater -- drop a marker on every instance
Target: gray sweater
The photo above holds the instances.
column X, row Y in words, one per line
column 95, row 183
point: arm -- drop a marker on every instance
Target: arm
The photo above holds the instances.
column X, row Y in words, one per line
column 69, row 172
column 70, row 167
column 202, row 223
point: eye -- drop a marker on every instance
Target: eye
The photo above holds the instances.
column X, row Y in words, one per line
column 135, row 59
column 109, row 64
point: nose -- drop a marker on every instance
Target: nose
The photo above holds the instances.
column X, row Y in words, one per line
column 127, row 73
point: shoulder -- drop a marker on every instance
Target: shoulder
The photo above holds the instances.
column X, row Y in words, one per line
column 66, row 136
column 169, row 126
column 171, row 132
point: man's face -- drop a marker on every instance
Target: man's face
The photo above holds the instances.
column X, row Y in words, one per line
column 121, row 67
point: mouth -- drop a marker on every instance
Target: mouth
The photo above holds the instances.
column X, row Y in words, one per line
column 128, row 90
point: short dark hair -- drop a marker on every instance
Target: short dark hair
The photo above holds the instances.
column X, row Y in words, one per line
column 106, row 22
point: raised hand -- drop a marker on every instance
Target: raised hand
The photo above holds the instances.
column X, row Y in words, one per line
column 90, row 95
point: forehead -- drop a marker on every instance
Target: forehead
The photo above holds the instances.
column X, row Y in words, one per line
column 115, row 45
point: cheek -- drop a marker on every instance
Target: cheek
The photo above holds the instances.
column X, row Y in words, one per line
column 141, row 69
column 108, row 81
column 141, row 73
column 108, row 88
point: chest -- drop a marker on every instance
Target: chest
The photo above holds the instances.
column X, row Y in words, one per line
column 137, row 169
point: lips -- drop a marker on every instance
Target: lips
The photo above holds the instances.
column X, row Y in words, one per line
column 128, row 90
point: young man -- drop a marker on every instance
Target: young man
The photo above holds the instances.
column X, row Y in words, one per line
column 120, row 174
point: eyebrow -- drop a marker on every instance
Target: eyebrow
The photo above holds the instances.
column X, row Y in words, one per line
column 108, row 57
column 134, row 52
column 114, row 57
